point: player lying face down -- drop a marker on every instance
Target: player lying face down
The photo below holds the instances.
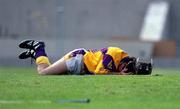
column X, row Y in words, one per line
column 110, row 60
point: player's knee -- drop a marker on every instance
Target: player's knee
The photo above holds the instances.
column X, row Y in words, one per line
column 41, row 73
column 42, row 69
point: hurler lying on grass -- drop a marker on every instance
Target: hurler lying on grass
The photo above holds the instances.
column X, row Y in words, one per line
column 110, row 60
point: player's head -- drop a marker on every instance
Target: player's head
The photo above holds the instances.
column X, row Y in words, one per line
column 127, row 65
column 137, row 66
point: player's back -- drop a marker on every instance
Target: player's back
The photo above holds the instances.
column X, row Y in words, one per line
column 104, row 60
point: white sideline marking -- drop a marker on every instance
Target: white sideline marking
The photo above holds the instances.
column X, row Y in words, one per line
column 21, row 102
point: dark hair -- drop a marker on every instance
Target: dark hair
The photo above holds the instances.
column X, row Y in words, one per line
column 129, row 63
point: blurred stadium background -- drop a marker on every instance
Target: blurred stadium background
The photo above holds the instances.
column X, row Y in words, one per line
column 144, row 28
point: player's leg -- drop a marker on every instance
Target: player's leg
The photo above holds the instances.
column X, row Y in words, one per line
column 37, row 52
column 59, row 67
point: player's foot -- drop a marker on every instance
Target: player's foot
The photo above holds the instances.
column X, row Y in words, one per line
column 31, row 44
column 27, row 54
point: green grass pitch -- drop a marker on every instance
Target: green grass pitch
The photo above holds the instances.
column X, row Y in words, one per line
column 23, row 88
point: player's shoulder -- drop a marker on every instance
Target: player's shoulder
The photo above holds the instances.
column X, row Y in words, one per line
column 115, row 49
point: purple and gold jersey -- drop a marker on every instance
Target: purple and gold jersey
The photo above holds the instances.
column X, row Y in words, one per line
column 75, row 52
column 104, row 60
column 101, row 61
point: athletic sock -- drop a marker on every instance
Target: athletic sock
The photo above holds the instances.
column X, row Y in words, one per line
column 40, row 52
column 42, row 60
column 41, row 56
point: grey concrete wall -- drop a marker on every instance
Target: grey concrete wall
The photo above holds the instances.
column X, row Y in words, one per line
column 174, row 18
column 27, row 18
column 77, row 23
column 71, row 18
column 102, row 18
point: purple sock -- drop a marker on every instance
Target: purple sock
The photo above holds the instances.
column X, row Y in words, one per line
column 40, row 52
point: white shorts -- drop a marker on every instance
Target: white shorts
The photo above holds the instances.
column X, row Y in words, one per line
column 75, row 65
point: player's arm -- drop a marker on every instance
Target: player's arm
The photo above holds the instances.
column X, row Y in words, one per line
column 106, row 66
